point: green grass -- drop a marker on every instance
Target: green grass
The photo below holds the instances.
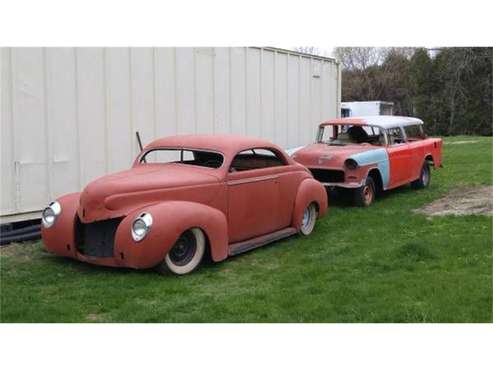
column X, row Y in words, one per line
column 382, row 264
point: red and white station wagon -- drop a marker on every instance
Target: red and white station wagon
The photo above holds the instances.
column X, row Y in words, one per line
column 371, row 154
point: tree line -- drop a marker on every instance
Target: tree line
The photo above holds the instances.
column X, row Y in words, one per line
column 448, row 88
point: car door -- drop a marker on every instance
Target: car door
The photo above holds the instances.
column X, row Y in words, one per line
column 399, row 157
column 253, row 197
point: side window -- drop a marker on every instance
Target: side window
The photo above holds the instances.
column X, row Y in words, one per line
column 395, row 136
column 414, row 132
column 256, row 158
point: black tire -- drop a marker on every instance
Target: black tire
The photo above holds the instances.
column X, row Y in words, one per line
column 186, row 254
column 424, row 177
column 365, row 195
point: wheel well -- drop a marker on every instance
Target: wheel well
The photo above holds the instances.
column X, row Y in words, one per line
column 429, row 159
column 377, row 178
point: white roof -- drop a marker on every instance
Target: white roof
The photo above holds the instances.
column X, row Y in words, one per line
column 386, row 121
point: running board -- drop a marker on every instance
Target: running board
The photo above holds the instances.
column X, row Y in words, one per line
column 237, row 248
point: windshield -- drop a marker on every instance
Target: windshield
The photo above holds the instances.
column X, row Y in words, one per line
column 183, row 156
column 351, row 134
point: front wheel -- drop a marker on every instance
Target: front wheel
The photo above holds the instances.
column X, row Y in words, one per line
column 309, row 218
column 186, row 254
column 424, row 178
column 365, row 195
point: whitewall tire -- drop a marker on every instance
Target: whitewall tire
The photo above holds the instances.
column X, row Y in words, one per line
column 186, row 254
column 308, row 220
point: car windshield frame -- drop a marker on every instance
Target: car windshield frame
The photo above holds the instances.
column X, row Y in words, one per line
column 331, row 141
column 142, row 157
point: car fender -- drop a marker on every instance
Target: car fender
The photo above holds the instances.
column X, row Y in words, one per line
column 59, row 238
column 309, row 191
column 169, row 220
column 376, row 158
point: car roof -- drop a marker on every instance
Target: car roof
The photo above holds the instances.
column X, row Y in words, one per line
column 380, row 121
column 227, row 144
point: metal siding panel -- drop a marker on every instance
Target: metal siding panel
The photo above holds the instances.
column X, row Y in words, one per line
column 30, row 139
column 280, row 102
column 95, row 102
column 90, row 80
column 293, row 102
column 253, row 98
column 307, row 125
column 8, row 191
column 166, row 114
column 315, row 93
column 185, row 90
column 222, row 73
column 143, row 95
column 62, row 121
column 268, row 93
column 118, row 109
column 204, row 93
column 238, row 90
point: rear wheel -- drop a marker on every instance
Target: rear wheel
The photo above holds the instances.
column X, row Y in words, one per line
column 186, row 254
column 424, row 178
column 365, row 195
column 309, row 219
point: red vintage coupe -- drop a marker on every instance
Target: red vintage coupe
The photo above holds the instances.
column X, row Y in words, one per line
column 186, row 196
column 371, row 154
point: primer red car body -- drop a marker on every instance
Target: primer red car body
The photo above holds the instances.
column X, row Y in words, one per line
column 370, row 154
column 238, row 192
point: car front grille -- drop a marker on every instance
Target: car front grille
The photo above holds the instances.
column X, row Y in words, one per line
column 327, row 175
column 96, row 239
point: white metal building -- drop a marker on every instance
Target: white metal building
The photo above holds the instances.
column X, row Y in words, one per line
column 366, row 108
column 69, row 115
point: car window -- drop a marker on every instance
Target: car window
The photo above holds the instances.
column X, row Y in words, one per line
column 414, row 132
column 256, row 158
column 395, row 136
column 183, row 156
column 351, row 134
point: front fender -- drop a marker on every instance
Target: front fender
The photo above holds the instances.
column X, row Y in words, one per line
column 170, row 220
column 60, row 238
column 309, row 191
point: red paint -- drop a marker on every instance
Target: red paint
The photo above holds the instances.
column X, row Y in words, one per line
column 228, row 207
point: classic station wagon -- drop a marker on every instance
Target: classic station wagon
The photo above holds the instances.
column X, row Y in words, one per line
column 371, row 154
column 186, row 196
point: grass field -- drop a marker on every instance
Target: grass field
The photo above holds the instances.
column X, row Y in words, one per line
column 382, row 264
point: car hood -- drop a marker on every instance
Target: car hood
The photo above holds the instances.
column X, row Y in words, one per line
column 116, row 194
column 332, row 156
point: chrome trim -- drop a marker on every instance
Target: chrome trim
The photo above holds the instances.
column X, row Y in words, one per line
column 255, row 179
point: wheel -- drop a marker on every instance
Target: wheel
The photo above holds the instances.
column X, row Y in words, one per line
column 365, row 195
column 309, row 219
column 186, row 254
column 424, row 178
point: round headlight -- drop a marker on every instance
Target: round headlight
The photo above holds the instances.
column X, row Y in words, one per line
column 141, row 226
column 50, row 214
column 351, row 164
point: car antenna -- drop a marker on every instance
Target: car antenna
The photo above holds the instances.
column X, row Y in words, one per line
column 140, row 143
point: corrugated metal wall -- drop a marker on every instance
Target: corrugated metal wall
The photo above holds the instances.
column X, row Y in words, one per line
column 69, row 115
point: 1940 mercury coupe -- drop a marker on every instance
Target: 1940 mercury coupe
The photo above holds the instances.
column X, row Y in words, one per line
column 371, row 154
column 186, row 196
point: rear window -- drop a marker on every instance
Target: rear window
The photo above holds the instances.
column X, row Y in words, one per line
column 184, row 156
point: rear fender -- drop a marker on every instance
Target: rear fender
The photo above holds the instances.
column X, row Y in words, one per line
column 169, row 220
column 309, row 191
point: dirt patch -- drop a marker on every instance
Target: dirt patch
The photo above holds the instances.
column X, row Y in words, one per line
column 463, row 142
column 466, row 201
